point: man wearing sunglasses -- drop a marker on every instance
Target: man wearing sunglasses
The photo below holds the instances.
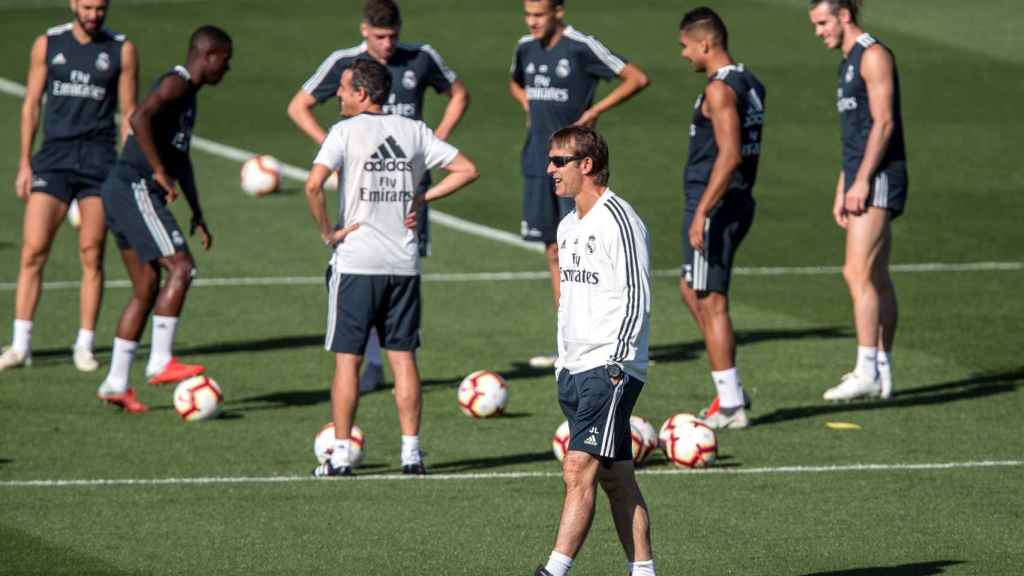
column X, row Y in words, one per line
column 603, row 329
column 554, row 79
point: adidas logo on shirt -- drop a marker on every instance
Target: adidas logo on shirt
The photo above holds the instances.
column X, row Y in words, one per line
column 389, row 157
column 58, row 59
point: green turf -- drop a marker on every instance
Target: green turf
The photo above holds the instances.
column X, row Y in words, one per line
column 958, row 360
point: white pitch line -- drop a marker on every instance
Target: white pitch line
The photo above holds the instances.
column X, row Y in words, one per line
column 544, row 275
column 295, row 173
column 509, row 475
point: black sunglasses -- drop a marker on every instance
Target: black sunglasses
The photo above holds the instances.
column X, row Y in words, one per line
column 560, row 161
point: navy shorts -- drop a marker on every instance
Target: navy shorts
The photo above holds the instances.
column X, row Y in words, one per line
column 72, row 170
column 542, row 209
column 598, row 412
column 358, row 302
column 710, row 270
column 888, row 189
column 138, row 216
column 66, row 186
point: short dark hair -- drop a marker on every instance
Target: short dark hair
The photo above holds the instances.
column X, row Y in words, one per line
column 853, row 6
column 382, row 14
column 207, row 38
column 587, row 143
column 373, row 77
column 708, row 21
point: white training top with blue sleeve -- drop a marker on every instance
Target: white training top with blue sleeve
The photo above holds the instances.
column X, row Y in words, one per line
column 605, row 280
column 382, row 158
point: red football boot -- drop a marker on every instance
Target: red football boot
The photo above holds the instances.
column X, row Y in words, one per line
column 175, row 371
column 126, row 401
column 713, row 408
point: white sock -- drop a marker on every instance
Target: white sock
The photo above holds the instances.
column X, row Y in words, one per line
column 558, row 564
column 373, row 348
column 641, row 568
column 867, row 362
column 120, row 365
column 162, row 343
column 341, row 455
column 410, row 450
column 884, row 363
column 85, row 339
column 728, row 384
column 22, row 341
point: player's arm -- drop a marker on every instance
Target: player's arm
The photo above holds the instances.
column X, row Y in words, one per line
column 877, row 70
column 30, row 107
column 300, row 110
column 519, row 95
column 461, row 171
column 458, row 102
column 838, row 203
column 191, row 192
column 128, row 87
column 317, row 202
column 171, row 88
column 720, row 103
column 632, row 80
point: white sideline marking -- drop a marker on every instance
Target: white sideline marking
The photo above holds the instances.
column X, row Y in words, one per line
column 544, row 275
column 509, row 475
column 300, row 174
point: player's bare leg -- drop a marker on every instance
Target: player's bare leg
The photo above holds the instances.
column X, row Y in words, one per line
column 43, row 214
column 344, row 402
column 865, row 241
column 579, row 471
column 629, row 511
column 728, row 410
column 409, row 401
column 162, row 367
column 92, row 234
column 888, row 312
column 689, row 298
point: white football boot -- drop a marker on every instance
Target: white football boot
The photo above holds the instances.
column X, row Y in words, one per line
column 11, row 358
column 719, row 420
column 852, row 386
column 85, row 361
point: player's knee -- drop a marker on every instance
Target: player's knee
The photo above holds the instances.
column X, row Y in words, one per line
column 34, row 256
column 91, row 256
column 182, row 270
column 577, row 471
column 855, row 274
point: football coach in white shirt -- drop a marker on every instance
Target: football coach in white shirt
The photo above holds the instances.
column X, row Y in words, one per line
column 374, row 276
column 603, row 328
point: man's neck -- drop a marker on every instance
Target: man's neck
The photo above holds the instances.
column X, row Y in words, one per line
column 555, row 37
column 850, row 35
column 717, row 61
column 588, row 196
column 80, row 34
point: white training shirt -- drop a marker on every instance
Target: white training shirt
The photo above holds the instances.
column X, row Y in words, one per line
column 605, row 278
column 382, row 158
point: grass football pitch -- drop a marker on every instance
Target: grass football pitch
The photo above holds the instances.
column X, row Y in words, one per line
column 929, row 482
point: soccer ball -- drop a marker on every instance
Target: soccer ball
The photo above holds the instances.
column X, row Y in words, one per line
column 688, row 442
column 197, row 398
column 74, row 215
column 560, row 441
column 261, row 175
column 644, row 439
column 483, row 394
column 323, row 444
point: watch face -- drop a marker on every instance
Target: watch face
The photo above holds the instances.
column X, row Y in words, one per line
column 614, row 371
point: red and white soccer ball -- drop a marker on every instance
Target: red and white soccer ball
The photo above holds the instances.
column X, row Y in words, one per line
column 197, row 398
column 560, row 441
column 644, row 439
column 688, row 442
column 483, row 394
column 323, row 444
column 261, row 175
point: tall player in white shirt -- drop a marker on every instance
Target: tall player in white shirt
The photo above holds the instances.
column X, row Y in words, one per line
column 603, row 328
column 374, row 272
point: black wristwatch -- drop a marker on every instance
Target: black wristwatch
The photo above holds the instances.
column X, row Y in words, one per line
column 614, row 371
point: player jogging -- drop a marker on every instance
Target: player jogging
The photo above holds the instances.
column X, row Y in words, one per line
column 414, row 68
column 603, row 329
column 725, row 146
column 871, row 190
column 554, row 79
column 374, row 275
column 86, row 72
column 135, row 196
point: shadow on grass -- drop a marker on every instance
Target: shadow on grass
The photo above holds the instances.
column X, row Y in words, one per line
column 4, row 461
column 261, row 345
column 470, row 464
column 685, row 351
column 979, row 386
column 914, row 569
column 292, row 398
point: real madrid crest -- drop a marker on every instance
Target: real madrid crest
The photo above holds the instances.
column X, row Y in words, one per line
column 409, row 80
column 562, row 69
column 591, row 245
column 103, row 62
